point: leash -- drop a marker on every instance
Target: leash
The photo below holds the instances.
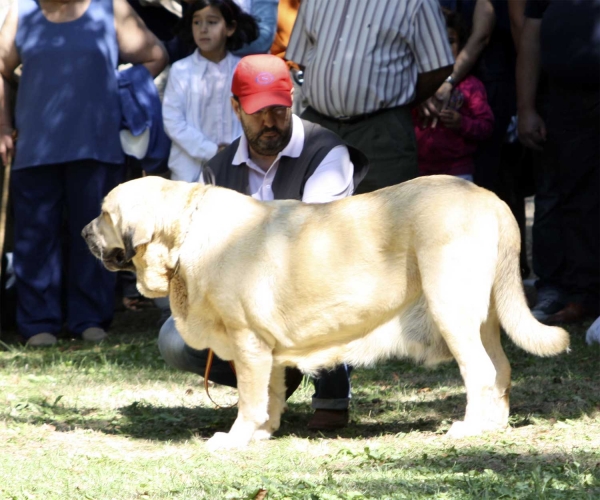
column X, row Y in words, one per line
column 209, row 363
column 209, row 178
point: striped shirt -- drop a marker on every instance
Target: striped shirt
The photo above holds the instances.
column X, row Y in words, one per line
column 361, row 56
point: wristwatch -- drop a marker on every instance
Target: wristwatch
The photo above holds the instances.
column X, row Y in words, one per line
column 450, row 80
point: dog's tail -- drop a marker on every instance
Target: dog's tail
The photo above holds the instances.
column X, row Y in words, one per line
column 509, row 298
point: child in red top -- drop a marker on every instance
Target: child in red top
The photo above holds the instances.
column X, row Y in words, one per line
column 448, row 146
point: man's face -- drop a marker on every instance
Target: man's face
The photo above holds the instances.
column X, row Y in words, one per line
column 268, row 130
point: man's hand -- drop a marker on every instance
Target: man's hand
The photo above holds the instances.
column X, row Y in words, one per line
column 7, row 144
column 222, row 146
column 532, row 129
column 451, row 119
column 430, row 110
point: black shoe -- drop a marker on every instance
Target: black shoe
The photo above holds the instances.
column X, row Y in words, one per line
column 548, row 302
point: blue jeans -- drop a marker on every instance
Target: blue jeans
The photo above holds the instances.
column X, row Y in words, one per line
column 332, row 388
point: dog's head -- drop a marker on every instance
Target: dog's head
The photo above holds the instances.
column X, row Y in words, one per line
column 140, row 229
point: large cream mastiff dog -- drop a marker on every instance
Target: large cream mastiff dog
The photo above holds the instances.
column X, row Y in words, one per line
column 428, row 269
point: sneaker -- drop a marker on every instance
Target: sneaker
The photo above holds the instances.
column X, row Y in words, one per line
column 94, row 334
column 43, row 339
column 549, row 301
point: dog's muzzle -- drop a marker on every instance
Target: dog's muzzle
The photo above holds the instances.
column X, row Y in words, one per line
column 113, row 259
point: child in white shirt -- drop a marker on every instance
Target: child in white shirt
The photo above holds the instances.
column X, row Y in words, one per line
column 197, row 113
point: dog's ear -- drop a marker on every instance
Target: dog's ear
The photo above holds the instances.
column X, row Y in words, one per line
column 133, row 237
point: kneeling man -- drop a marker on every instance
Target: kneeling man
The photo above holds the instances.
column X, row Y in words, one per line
column 278, row 157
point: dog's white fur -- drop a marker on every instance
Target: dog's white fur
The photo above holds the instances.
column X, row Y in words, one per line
column 428, row 269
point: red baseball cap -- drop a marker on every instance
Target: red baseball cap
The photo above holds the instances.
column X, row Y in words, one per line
column 262, row 80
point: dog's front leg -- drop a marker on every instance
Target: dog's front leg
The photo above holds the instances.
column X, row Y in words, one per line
column 277, row 403
column 253, row 362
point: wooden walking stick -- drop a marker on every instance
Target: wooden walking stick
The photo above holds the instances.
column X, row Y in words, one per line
column 4, row 208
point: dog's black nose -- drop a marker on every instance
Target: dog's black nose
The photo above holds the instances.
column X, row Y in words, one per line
column 120, row 259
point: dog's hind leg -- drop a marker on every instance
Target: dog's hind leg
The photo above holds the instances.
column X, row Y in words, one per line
column 498, row 405
column 276, row 403
column 488, row 387
column 485, row 372
column 253, row 364
column 458, row 299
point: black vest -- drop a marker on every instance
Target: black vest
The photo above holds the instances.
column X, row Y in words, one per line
column 292, row 173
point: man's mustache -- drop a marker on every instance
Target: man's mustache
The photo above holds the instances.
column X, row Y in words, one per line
column 270, row 129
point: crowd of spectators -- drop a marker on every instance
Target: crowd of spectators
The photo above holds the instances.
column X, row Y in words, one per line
column 420, row 87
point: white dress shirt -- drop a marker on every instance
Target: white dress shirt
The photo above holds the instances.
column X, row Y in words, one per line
column 197, row 112
column 331, row 180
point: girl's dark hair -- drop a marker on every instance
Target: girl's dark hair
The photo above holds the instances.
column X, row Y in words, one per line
column 456, row 22
column 246, row 27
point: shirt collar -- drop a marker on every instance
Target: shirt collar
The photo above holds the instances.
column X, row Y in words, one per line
column 202, row 62
column 293, row 148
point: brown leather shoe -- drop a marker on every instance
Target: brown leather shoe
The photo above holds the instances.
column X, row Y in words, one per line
column 573, row 312
column 328, row 420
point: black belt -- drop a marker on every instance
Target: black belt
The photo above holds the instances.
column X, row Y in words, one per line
column 356, row 118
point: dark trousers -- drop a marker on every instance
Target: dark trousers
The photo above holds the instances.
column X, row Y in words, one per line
column 331, row 386
column 51, row 203
column 488, row 160
column 547, row 250
column 386, row 138
column 497, row 167
column 573, row 127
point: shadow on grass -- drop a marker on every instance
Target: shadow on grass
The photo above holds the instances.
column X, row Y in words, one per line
column 141, row 420
column 563, row 387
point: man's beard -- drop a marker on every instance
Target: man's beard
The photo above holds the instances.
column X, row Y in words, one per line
column 268, row 146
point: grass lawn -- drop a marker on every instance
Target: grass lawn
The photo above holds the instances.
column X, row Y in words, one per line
column 112, row 422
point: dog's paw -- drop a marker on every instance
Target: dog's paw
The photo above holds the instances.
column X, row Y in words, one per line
column 460, row 429
column 262, row 435
column 224, row 441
